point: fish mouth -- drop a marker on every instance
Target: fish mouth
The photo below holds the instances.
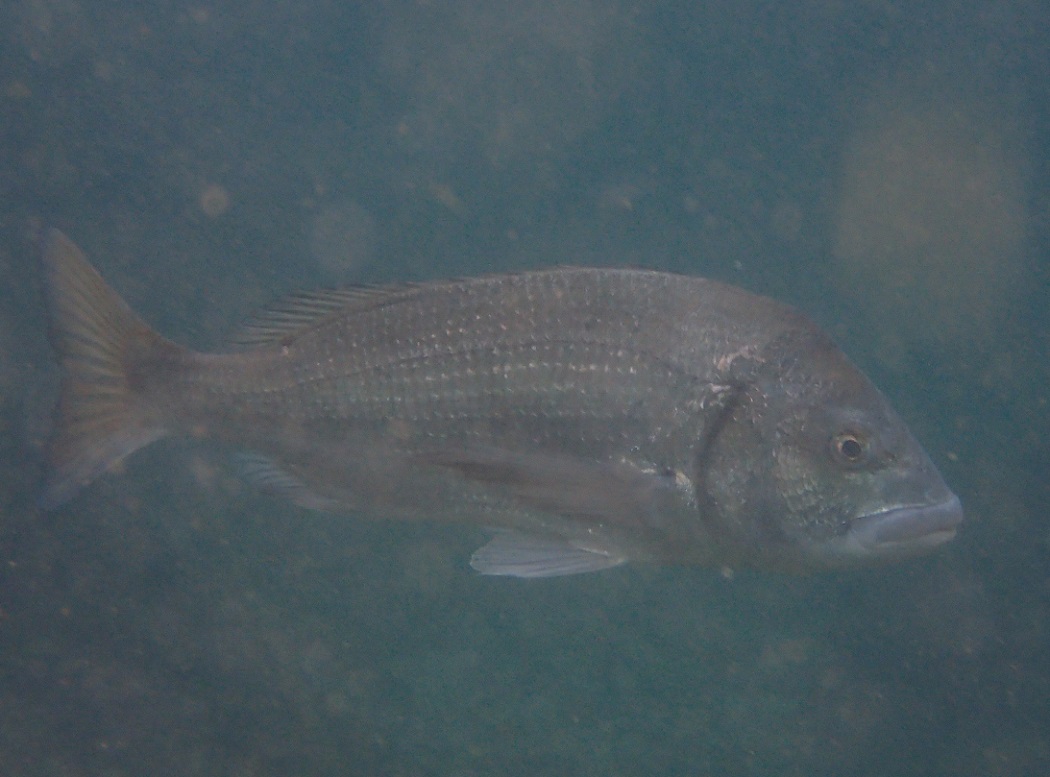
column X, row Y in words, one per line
column 910, row 526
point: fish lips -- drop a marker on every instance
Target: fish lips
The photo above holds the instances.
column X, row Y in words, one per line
column 909, row 528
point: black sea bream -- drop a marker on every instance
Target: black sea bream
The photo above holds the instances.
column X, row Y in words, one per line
column 587, row 417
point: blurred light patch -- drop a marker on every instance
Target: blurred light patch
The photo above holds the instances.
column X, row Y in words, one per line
column 929, row 242
column 510, row 83
column 214, row 200
column 342, row 240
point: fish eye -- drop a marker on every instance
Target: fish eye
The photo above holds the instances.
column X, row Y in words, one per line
column 849, row 446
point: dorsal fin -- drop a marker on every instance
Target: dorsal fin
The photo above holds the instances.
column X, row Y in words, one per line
column 297, row 312
column 294, row 313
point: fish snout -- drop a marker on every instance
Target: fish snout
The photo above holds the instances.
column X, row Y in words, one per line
column 910, row 527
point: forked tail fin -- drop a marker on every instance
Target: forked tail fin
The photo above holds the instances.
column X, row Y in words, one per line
column 100, row 417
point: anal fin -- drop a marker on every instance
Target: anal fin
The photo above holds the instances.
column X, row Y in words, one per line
column 270, row 477
column 521, row 555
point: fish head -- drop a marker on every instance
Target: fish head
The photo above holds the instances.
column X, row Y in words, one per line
column 811, row 468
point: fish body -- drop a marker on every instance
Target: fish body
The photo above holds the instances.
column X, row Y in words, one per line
column 586, row 416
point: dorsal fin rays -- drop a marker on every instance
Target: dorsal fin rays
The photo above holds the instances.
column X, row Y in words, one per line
column 295, row 313
column 298, row 312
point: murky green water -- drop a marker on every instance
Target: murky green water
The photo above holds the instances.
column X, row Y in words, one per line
column 881, row 167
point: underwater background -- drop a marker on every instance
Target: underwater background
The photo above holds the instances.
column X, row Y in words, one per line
column 884, row 166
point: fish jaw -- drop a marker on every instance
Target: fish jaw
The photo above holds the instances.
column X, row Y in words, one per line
column 903, row 531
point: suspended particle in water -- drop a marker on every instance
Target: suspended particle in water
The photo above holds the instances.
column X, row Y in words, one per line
column 214, row 200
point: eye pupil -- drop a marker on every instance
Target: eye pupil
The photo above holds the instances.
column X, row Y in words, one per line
column 851, row 448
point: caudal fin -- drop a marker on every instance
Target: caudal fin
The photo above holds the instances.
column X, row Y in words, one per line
column 100, row 418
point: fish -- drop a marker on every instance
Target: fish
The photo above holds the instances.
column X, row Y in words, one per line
column 581, row 417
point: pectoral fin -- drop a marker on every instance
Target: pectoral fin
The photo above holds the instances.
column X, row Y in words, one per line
column 601, row 492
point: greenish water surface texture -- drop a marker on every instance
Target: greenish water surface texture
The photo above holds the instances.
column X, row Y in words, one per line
column 882, row 166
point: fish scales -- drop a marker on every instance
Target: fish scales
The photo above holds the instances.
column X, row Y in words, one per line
column 587, row 416
column 443, row 357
